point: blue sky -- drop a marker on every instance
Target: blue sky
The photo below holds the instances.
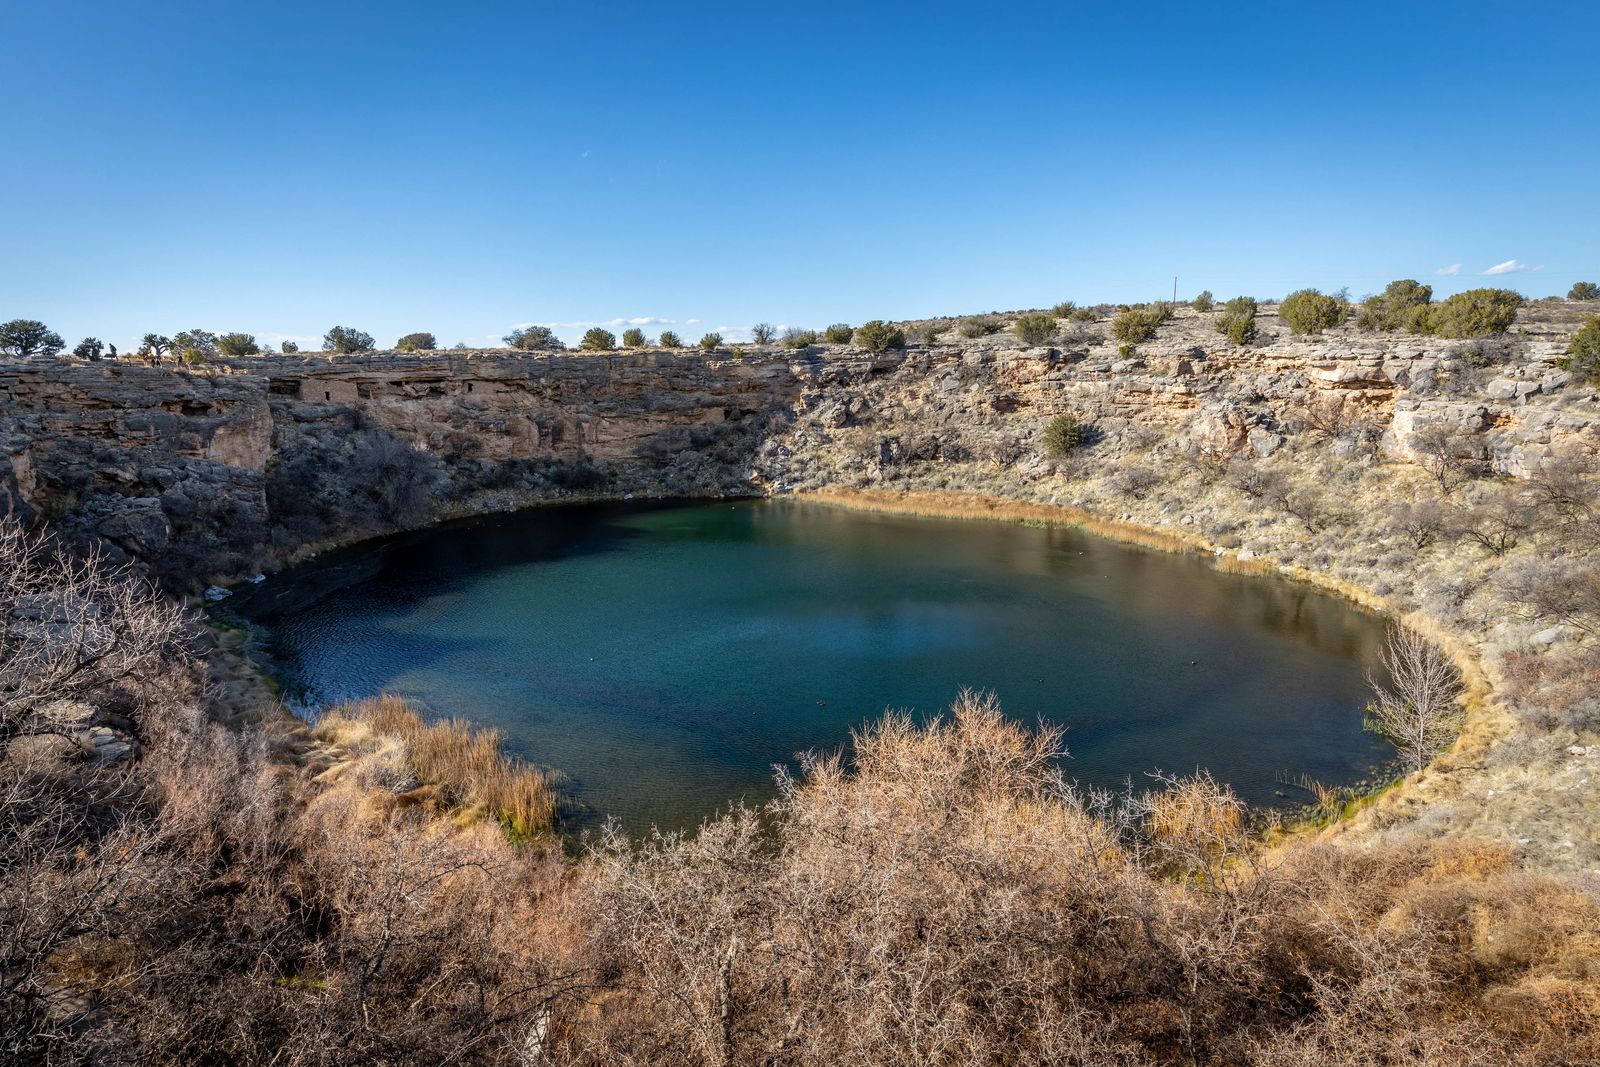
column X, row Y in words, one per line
column 465, row 168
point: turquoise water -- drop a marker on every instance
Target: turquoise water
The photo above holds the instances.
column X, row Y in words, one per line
column 665, row 657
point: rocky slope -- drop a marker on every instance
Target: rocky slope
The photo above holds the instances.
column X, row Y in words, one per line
column 212, row 473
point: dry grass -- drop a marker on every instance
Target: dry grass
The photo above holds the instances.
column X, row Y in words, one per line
column 465, row 765
column 940, row 896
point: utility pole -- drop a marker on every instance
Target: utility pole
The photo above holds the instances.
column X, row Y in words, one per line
column 1174, row 288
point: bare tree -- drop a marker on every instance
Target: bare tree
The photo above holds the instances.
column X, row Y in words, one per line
column 1419, row 521
column 1446, row 453
column 1498, row 522
column 70, row 632
column 1566, row 490
column 1419, row 711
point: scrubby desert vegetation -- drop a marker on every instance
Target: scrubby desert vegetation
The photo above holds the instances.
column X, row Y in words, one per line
column 379, row 890
column 198, row 891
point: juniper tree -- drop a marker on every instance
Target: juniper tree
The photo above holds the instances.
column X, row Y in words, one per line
column 25, row 338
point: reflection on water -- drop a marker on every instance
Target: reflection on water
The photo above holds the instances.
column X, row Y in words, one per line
column 664, row 657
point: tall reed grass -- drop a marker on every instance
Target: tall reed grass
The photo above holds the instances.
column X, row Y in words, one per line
column 467, row 764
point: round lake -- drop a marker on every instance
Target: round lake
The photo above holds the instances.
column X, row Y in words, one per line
column 664, row 657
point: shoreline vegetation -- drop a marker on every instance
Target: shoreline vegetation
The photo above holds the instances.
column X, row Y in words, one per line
column 446, row 766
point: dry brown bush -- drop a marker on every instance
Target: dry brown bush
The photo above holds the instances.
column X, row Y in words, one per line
column 1334, row 417
column 1497, row 521
column 1565, row 590
column 1566, row 492
column 1420, row 522
column 192, row 906
column 943, row 897
column 466, row 763
column 71, row 632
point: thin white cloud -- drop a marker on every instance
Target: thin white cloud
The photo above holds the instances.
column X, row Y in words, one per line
column 1511, row 266
column 1451, row 271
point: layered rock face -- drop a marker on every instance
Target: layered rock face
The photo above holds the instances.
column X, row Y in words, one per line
column 989, row 399
column 209, row 474
column 204, row 475
column 142, row 462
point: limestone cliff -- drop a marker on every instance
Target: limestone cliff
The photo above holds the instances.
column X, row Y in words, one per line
column 207, row 474
column 210, row 473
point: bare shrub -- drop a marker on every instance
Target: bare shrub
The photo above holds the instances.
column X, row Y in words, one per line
column 1080, row 335
column 1419, row 710
column 189, row 905
column 885, row 925
column 1336, row 417
column 943, row 896
column 1451, row 456
column 1197, row 828
column 1566, row 494
column 81, row 645
column 1567, row 591
column 1271, row 485
column 437, row 957
column 1402, row 954
column 1134, row 480
column 1309, row 504
column 1497, row 522
column 70, row 632
column 1420, row 522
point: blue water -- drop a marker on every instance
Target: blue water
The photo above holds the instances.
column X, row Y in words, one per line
column 665, row 657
